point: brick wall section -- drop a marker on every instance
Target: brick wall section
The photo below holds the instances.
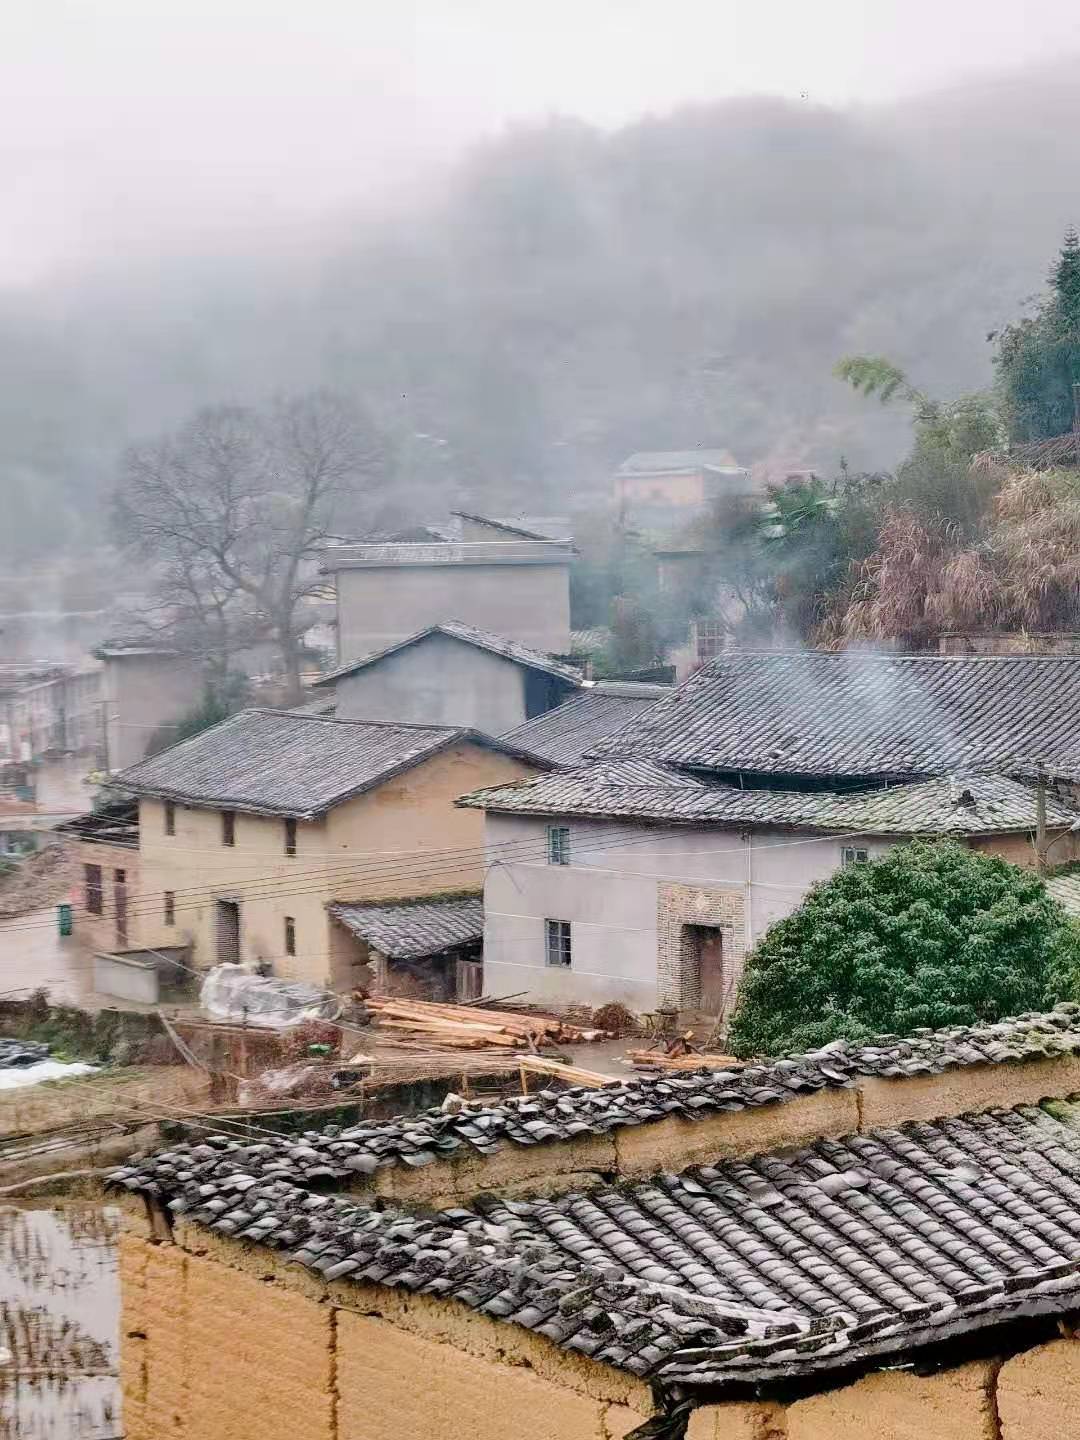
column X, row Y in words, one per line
column 677, row 905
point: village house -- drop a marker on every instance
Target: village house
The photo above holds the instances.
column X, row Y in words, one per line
column 645, row 875
column 47, row 710
column 868, row 1242
column 632, row 882
column 388, row 592
column 451, row 674
column 662, row 489
column 249, row 832
column 145, row 689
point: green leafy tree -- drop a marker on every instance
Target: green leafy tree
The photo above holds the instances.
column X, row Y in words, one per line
column 933, row 934
column 1038, row 358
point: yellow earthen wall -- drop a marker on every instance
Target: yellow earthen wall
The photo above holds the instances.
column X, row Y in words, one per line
column 391, row 825
column 230, row 1342
column 98, row 932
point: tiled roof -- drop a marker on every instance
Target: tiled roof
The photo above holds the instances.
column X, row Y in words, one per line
column 278, row 762
column 868, row 715
column 976, row 805
column 469, row 635
column 1066, row 890
column 549, row 1116
column 412, row 929
column 566, row 734
column 741, row 1272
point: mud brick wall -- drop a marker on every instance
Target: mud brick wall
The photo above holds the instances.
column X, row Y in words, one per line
column 224, row 1341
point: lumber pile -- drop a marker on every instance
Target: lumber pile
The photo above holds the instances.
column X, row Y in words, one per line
column 468, row 1027
column 679, row 1053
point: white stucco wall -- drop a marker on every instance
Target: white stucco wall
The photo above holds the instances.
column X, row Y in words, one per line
column 609, row 893
column 437, row 681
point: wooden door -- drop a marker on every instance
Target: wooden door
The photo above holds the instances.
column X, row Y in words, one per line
column 228, row 932
column 469, row 980
column 711, row 969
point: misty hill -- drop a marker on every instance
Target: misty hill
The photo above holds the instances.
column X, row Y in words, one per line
column 568, row 296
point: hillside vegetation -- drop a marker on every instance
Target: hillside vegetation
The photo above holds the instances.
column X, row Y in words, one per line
column 569, row 296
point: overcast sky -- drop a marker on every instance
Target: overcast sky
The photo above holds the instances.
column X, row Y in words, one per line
column 170, row 126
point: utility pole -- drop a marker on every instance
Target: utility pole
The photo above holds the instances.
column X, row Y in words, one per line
column 1040, row 820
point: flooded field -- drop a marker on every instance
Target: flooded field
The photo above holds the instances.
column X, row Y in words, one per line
column 59, row 1323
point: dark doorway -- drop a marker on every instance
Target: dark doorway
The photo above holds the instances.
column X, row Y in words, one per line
column 120, row 899
column 703, row 951
column 228, row 932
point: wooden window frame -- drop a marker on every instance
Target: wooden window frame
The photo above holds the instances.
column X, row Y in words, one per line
column 558, row 944
column 228, row 827
column 169, row 906
column 170, row 818
column 290, row 935
column 290, row 836
column 558, row 844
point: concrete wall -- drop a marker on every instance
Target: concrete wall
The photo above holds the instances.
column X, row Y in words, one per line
column 618, row 894
column 141, row 693
column 438, row 681
column 379, row 606
column 387, row 843
column 612, row 893
column 221, row 1341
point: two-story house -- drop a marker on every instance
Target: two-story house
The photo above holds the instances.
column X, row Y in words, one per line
column 249, row 832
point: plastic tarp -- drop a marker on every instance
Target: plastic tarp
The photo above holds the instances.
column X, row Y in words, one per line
column 232, row 993
column 15, row 1077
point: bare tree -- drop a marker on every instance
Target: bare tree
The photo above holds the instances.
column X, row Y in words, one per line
column 232, row 510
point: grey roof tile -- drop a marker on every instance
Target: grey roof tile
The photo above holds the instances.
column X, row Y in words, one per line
column 786, row 1264
column 821, row 714
column 645, row 790
column 280, row 762
column 468, row 635
column 412, row 929
column 568, row 733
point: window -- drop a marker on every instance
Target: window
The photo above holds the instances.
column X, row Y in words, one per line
column 170, row 818
column 290, row 935
column 558, row 844
column 290, row 837
column 228, row 828
column 95, row 890
column 709, row 639
column 557, row 933
column 170, row 907
column 854, row 855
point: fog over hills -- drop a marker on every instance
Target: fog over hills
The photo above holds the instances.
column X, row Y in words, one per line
column 566, row 295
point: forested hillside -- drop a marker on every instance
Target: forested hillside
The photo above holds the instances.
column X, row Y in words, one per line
column 569, row 295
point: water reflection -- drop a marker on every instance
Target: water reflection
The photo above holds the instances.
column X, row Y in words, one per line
column 59, row 1318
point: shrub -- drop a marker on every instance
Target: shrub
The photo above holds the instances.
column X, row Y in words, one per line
column 933, row 934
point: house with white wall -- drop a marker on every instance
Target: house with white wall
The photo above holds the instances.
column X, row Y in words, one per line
column 630, row 881
column 647, row 875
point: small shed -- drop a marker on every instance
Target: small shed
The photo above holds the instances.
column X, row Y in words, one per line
column 427, row 948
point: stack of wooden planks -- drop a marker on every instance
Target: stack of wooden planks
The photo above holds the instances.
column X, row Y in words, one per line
column 679, row 1053
column 468, row 1027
